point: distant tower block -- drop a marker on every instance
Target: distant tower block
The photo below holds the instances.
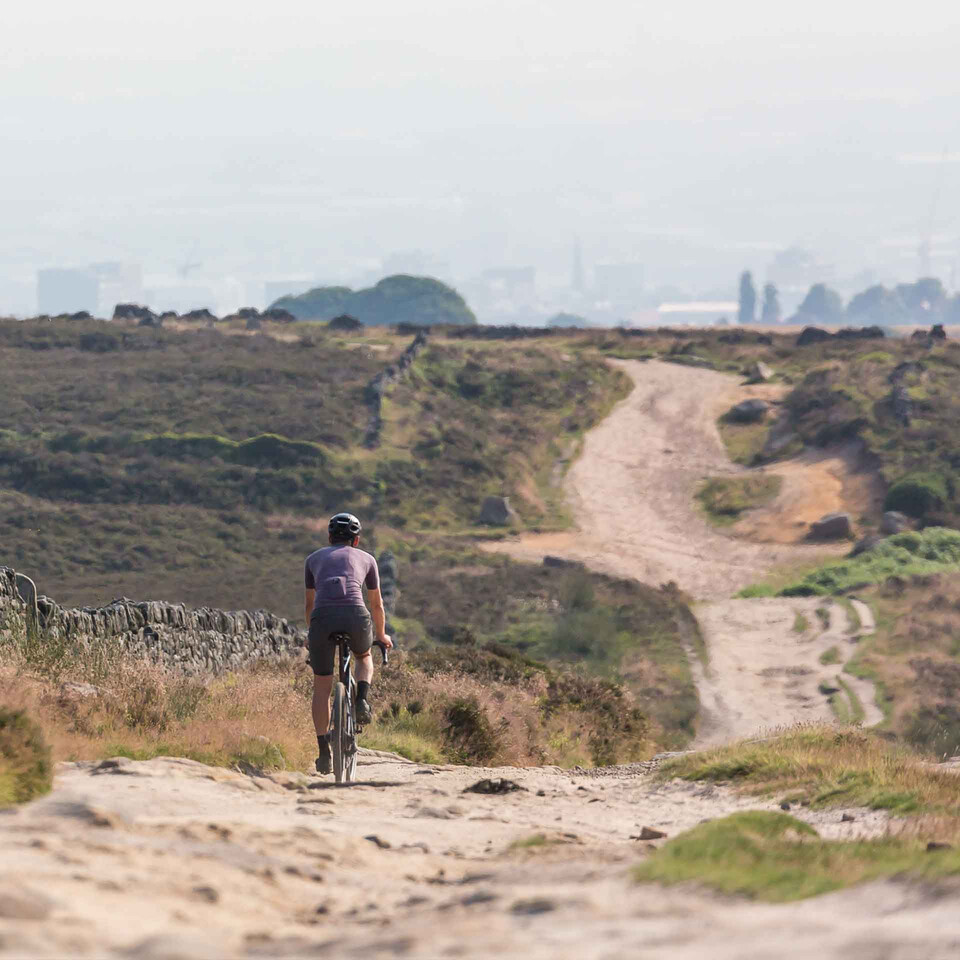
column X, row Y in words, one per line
column 576, row 272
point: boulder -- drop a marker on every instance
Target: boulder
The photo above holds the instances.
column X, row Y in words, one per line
column 758, row 372
column 809, row 335
column 563, row 563
column 278, row 315
column 202, row 315
column 865, row 543
column 894, row 522
column 497, row 512
column 133, row 311
column 833, row 526
column 748, row 411
column 902, row 405
column 345, row 323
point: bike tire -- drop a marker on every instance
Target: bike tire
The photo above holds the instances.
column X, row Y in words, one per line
column 339, row 731
column 350, row 731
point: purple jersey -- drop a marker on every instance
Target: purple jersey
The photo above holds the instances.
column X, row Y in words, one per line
column 338, row 575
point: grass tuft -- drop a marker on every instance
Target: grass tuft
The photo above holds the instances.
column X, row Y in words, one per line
column 777, row 858
column 828, row 766
column 26, row 770
column 724, row 499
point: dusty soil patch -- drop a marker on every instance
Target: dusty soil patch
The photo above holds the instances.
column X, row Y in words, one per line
column 814, row 484
column 200, row 862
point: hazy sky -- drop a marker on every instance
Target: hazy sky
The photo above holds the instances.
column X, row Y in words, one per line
column 283, row 138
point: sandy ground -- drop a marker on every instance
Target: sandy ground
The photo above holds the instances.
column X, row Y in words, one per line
column 634, row 485
column 814, row 484
column 764, row 672
column 635, row 482
column 171, row 859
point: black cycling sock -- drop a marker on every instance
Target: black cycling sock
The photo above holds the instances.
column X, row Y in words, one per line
column 322, row 740
column 363, row 688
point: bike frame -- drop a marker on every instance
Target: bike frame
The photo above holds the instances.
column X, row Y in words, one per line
column 344, row 714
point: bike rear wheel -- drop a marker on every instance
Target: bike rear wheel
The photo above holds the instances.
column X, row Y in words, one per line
column 338, row 728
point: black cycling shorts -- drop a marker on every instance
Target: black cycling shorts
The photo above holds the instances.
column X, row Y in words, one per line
column 326, row 621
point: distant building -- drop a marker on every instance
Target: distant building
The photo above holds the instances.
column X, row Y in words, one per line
column 618, row 281
column 697, row 312
column 67, row 291
column 118, row 283
column 512, row 280
column 181, row 298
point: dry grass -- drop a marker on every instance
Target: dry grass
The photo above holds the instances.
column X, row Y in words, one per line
column 914, row 656
column 429, row 710
column 828, row 766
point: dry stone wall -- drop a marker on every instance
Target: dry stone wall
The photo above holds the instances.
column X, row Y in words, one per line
column 13, row 610
column 194, row 640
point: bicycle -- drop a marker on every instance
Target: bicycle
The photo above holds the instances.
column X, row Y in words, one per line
column 344, row 712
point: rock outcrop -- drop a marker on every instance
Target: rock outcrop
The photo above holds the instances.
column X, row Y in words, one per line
column 497, row 512
column 833, row 526
column 748, row 411
column 894, row 522
column 194, row 640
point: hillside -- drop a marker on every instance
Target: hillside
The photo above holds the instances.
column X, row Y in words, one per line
column 421, row 301
column 148, row 462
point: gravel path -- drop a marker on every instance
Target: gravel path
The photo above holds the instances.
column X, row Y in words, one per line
column 171, row 859
column 634, row 483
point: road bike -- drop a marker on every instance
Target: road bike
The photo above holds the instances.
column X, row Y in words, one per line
column 344, row 728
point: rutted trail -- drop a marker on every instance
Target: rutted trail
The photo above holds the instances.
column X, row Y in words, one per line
column 632, row 490
column 170, row 860
column 633, row 485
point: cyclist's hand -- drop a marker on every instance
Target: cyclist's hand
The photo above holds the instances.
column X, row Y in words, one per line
column 386, row 641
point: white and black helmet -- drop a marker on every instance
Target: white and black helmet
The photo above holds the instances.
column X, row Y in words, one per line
column 344, row 526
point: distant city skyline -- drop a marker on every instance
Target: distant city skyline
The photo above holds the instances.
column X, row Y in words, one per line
column 318, row 141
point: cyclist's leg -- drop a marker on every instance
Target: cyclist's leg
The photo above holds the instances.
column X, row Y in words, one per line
column 361, row 641
column 321, row 660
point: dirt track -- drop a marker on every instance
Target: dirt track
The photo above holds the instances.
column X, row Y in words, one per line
column 632, row 490
column 634, row 484
column 170, row 859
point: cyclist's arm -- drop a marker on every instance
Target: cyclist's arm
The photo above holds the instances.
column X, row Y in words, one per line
column 308, row 605
column 379, row 617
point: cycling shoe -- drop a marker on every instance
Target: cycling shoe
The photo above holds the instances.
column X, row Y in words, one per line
column 324, row 763
column 364, row 713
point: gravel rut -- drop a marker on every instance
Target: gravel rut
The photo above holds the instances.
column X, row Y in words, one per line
column 170, row 860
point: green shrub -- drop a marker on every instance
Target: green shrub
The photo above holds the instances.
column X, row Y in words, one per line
column 26, row 770
column 934, row 550
column 916, row 494
column 469, row 733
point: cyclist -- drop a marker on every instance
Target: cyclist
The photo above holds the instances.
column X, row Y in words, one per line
column 333, row 578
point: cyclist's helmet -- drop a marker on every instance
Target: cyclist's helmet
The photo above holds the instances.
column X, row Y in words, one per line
column 344, row 526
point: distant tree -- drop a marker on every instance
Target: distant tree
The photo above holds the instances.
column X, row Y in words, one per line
column 770, row 311
column 422, row 301
column 922, row 299
column 876, row 305
column 951, row 310
column 821, row 304
column 747, row 312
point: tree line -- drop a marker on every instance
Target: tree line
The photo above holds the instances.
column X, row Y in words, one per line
column 924, row 301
